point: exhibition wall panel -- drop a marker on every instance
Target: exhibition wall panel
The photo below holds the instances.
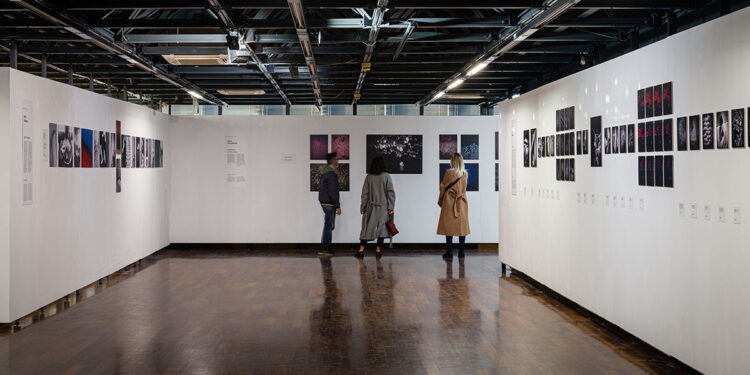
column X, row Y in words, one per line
column 76, row 227
column 668, row 264
column 275, row 204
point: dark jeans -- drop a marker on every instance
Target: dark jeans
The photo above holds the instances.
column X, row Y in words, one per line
column 364, row 242
column 449, row 243
column 329, row 213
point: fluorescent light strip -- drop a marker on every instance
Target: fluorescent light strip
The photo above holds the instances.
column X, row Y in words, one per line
column 476, row 69
column 455, row 83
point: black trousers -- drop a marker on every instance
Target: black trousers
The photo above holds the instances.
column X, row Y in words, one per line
column 379, row 242
column 449, row 243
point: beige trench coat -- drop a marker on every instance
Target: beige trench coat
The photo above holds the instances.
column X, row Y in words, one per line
column 454, row 214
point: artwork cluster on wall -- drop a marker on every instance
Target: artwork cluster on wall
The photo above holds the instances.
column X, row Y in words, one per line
column 721, row 130
column 566, row 169
column 469, row 146
column 72, row 147
column 565, row 119
column 655, row 101
column 339, row 143
column 656, row 170
column 619, row 139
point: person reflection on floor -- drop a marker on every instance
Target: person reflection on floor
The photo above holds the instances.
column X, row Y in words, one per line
column 460, row 323
column 330, row 328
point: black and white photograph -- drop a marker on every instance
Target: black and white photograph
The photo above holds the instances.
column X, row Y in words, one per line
column 615, row 140
column 571, row 169
column 649, row 171
column 136, row 152
column 402, row 153
column 642, row 170
column 668, row 171
column 695, row 131
column 708, row 131
column 596, row 141
column 579, row 145
column 668, row 134
column 607, row 140
column 526, row 149
column 623, row 139
column 631, row 138
column 572, row 143
column 103, row 161
column 77, row 147
column 533, row 147
column 738, row 128
column 126, row 150
column 666, row 98
column 558, row 120
column 659, row 135
column 470, row 146
column 142, row 151
column 650, row 136
column 65, row 146
column 147, row 152
column 722, row 130
column 112, row 149
column 682, row 134
column 571, row 117
column 659, row 170
column 52, row 144
column 118, row 176
column 641, row 137
column 552, row 145
column 585, row 141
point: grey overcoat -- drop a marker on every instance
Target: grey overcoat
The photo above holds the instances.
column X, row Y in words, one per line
column 378, row 197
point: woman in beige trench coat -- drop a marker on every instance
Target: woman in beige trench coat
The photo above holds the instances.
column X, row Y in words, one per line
column 454, row 212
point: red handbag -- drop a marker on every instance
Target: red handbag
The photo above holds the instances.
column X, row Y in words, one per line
column 391, row 227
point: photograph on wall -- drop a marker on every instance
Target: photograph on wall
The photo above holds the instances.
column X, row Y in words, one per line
column 64, row 146
column 118, row 176
column 497, row 177
column 558, row 143
column 118, row 137
column 623, row 139
column 641, row 103
column 87, row 147
column 650, row 136
column 657, row 100
column 650, row 171
column 557, row 169
column 448, row 146
column 147, row 151
column 526, row 148
column 402, row 153
column 103, row 149
column 533, row 146
column 157, row 154
column 722, row 130
column 596, row 141
column 668, row 171
column 659, row 135
column 738, row 128
column 473, row 182
column 497, row 145
column 160, row 152
column 666, row 98
column 112, row 149
column 137, row 152
column 340, row 145
column 96, row 149
column 631, row 138
column 53, row 145
column 615, row 140
column 470, row 145
column 649, row 102
column 607, row 141
column 77, row 147
column 659, row 170
column 571, row 117
column 143, row 153
column 558, row 120
column 642, row 170
column 668, row 137
column 695, row 138
column 552, row 145
column 682, row 134
column 708, row 131
column 585, row 141
column 125, row 148
column 342, row 173
column 641, row 137
column 579, row 145
column 318, row 146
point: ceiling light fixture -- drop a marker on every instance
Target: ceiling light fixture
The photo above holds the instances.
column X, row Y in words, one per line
column 438, row 95
column 476, row 69
column 456, row 83
column 195, row 94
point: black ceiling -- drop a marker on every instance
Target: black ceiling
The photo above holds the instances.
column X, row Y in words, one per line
column 123, row 42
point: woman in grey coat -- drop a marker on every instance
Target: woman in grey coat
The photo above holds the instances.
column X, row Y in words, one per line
column 378, row 201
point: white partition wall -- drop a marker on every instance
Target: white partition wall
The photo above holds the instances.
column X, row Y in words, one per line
column 635, row 255
column 277, row 205
column 77, row 229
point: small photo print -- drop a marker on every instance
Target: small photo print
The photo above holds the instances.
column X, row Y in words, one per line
column 658, row 136
column 318, row 146
column 650, row 136
column 682, row 134
column 668, row 171
column 126, row 149
column 65, row 146
column 657, row 100
column 642, row 171
column 526, row 145
column 118, row 136
column 340, row 145
column 497, row 177
column 470, row 146
column 53, row 145
column 722, row 130
column 533, row 147
column 87, row 148
column 708, row 131
column 650, row 102
column 448, row 146
column 497, row 145
column 695, row 131
column 615, row 140
column 118, row 176
column 623, row 139
column 585, row 141
column 596, row 141
column 738, row 128
column 77, row 147
column 112, row 149
column 579, row 145
column 659, row 170
column 607, row 141
column 641, row 104
column 631, row 138
column 666, row 98
column 650, row 171
column 641, row 137
column 668, row 136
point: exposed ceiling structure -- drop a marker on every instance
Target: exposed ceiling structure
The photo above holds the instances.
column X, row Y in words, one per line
column 331, row 52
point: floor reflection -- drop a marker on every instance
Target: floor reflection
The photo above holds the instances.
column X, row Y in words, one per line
column 331, row 326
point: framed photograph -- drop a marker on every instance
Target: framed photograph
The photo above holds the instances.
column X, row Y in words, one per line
column 608, row 141
column 659, row 170
column 668, row 171
column 650, row 171
column 342, row 173
column 497, row 145
column 641, row 137
column 722, row 130
column 615, row 140
column 708, row 131
column 402, row 153
column 650, row 102
column 533, row 147
column 623, row 139
column 585, row 141
column 631, row 138
column 473, row 182
column 682, row 134
column 340, row 145
column 65, row 146
column 526, row 145
column 87, row 148
column 658, row 136
column 318, row 146
column 641, row 104
column 53, row 144
column 694, row 135
column 470, row 146
column 642, row 171
column 448, row 146
column 650, row 136
column 668, row 137
column 77, row 147
column 666, row 98
column 579, row 145
column 657, row 100
column 596, row 141
column 738, row 128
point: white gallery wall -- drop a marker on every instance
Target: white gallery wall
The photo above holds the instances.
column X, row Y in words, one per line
column 676, row 281
column 276, row 204
column 77, row 229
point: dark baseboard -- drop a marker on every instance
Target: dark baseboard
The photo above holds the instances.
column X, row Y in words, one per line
column 676, row 366
column 315, row 246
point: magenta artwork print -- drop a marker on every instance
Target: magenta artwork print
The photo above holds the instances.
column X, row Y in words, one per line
column 340, row 145
column 318, row 146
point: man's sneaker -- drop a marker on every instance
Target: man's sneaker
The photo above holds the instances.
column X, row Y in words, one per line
column 325, row 253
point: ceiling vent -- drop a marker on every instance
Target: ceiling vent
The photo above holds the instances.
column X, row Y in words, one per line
column 197, row 59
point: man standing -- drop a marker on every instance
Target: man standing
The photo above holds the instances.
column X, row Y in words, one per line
column 328, row 195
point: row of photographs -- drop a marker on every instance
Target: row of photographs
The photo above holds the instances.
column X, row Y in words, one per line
column 343, row 173
column 566, row 169
column 469, row 146
column 565, row 119
column 73, row 147
column 655, row 101
column 655, row 136
column 566, row 144
column 656, row 170
column 711, row 131
column 319, row 146
column 620, row 139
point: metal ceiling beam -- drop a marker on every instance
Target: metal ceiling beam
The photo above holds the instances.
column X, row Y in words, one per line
column 103, row 40
column 376, row 21
column 530, row 22
column 297, row 8
column 404, row 39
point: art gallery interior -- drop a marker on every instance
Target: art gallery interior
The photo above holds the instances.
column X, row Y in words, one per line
column 161, row 165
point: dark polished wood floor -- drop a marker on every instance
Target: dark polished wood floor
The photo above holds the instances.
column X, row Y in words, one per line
column 208, row 313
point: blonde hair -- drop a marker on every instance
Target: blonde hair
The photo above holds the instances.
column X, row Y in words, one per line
column 457, row 164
